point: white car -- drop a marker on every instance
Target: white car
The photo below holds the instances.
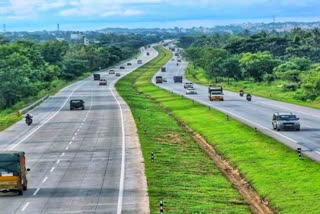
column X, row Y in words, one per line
column 191, row 91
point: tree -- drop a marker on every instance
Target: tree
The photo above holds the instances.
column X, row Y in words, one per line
column 53, row 51
column 231, row 68
column 255, row 65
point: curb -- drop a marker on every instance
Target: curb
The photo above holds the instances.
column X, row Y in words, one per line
column 32, row 106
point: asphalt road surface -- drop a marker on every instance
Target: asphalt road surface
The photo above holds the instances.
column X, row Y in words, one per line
column 257, row 113
column 81, row 161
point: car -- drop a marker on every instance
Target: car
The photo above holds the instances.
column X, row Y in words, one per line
column 179, row 60
column 122, row 67
column 172, row 59
column 129, row 63
column 103, row 82
column 285, row 121
column 111, row 71
column 191, row 91
column 118, row 74
column 188, row 85
column 77, row 104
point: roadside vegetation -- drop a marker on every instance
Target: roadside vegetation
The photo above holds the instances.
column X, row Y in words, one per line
column 30, row 70
column 181, row 174
column 275, row 172
column 282, row 66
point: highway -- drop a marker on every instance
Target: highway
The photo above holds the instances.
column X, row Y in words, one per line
column 257, row 113
column 81, row 161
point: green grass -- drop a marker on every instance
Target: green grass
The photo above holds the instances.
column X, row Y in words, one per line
column 181, row 174
column 291, row 185
column 271, row 91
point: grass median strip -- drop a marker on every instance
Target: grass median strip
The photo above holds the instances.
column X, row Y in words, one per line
column 289, row 184
column 181, row 174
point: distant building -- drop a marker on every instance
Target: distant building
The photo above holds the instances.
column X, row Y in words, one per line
column 86, row 41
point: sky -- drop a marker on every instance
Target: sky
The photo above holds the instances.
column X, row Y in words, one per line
column 32, row 15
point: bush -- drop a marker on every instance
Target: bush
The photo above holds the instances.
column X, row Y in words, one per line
column 290, row 86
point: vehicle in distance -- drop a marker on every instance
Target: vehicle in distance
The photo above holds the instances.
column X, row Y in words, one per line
column 285, row 121
column 177, row 79
column 122, row 67
column 163, row 69
column 103, row 82
column 76, row 104
column 111, row 71
column 139, row 61
column 129, row 63
column 148, row 53
column 96, row 76
column 188, row 85
column 13, row 172
column 215, row 93
column 191, row 91
column 179, row 60
column 159, row 79
column 118, row 74
column 176, row 54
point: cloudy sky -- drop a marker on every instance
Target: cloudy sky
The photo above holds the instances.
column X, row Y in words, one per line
column 97, row 14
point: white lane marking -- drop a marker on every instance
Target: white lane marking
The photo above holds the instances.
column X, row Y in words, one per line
column 78, row 130
column 36, row 192
column 46, row 121
column 123, row 156
column 62, row 154
column 25, row 206
column 52, row 169
column 75, row 134
column 58, row 161
column 67, row 148
column 45, row 179
column 70, row 142
column 73, row 138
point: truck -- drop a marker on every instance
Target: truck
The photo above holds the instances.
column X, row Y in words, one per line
column 163, row 69
column 13, row 172
column 96, row 76
column 158, row 79
column 139, row 61
column 177, row 79
column 215, row 93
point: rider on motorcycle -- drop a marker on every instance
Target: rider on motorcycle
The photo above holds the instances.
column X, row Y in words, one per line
column 28, row 117
column 241, row 92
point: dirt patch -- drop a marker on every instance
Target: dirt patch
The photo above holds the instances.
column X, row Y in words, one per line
column 171, row 138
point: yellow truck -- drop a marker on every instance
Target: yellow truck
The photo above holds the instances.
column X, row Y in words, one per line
column 13, row 172
column 215, row 93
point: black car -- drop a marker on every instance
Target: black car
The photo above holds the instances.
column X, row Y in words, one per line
column 76, row 104
column 122, row 67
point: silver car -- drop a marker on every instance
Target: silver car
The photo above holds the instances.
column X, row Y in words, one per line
column 285, row 121
column 191, row 91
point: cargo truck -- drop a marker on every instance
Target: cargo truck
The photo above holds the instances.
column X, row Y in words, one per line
column 139, row 61
column 13, row 172
column 215, row 93
column 96, row 76
column 158, row 79
column 177, row 79
column 163, row 69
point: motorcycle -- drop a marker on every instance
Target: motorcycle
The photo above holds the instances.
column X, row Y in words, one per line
column 241, row 93
column 28, row 119
column 249, row 97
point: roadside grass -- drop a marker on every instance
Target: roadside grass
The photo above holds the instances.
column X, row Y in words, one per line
column 289, row 184
column 181, row 173
column 271, row 91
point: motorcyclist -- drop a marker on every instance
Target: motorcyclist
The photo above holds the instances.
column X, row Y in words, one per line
column 241, row 92
column 249, row 97
column 28, row 117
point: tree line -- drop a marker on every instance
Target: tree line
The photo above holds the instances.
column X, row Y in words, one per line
column 28, row 68
column 293, row 58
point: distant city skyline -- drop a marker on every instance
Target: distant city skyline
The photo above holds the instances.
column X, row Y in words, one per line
column 34, row 15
